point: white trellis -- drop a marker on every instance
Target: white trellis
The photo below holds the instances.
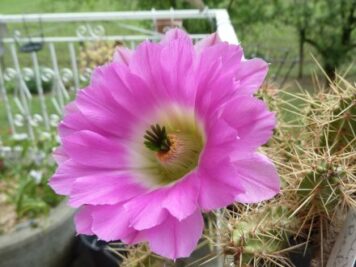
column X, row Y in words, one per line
column 45, row 66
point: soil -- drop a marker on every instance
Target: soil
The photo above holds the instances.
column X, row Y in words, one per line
column 8, row 217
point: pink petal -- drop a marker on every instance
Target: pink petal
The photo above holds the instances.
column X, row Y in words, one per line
column 147, row 210
column 175, row 34
column 252, row 120
column 251, row 75
column 122, row 55
column 210, row 40
column 219, row 185
column 83, row 220
column 91, row 149
column 111, row 222
column 173, row 238
column 105, row 188
column 221, row 141
column 102, row 111
column 258, row 177
column 177, row 63
column 115, row 100
column 216, row 69
column 60, row 155
column 74, row 121
column 146, row 65
column 181, row 199
column 66, row 174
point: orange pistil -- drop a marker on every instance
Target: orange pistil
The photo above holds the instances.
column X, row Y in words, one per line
column 166, row 156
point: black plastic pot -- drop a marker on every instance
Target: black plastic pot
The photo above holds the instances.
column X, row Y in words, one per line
column 91, row 252
column 299, row 257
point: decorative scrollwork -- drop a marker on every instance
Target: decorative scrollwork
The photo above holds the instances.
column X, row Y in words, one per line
column 85, row 76
column 66, row 75
column 90, row 31
column 10, row 74
column 19, row 120
column 54, row 120
column 36, row 120
column 97, row 31
column 47, row 74
column 28, row 74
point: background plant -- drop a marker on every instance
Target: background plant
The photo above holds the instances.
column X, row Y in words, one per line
column 24, row 173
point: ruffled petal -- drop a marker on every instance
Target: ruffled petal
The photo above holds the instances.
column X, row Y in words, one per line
column 145, row 64
column 258, row 177
column 75, row 121
column 103, row 112
column 91, row 149
column 215, row 70
column 175, row 34
column 220, row 143
column 181, row 199
column 147, row 210
column 177, row 70
column 60, row 155
column 251, row 75
column 66, row 174
column 252, row 120
column 218, row 185
column 173, row 238
column 105, row 188
column 210, row 40
column 111, row 222
column 122, row 55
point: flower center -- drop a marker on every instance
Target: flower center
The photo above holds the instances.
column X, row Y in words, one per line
column 175, row 154
column 170, row 147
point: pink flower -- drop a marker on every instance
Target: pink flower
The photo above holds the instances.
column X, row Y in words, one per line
column 162, row 134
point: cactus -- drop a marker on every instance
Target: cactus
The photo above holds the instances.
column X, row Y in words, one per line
column 313, row 148
column 317, row 160
column 258, row 235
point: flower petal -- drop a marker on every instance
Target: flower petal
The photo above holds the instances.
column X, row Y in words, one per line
column 102, row 111
column 60, row 155
column 122, row 55
column 218, row 185
column 66, row 174
column 105, row 188
column 91, row 149
column 210, row 40
column 74, row 121
column 146, row 65
column 175, row 34
column 173, row 238
column 111, row 222
column 215, row 73
column 181, row 199
column 147, row 210
column 258, row 177
column 251, row 75
column 177, row 63
column 252, row 120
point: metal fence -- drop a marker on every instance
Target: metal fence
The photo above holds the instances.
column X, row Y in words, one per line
column 46, row 58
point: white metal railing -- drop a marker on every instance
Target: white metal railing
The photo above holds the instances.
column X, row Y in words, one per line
column 30, row 107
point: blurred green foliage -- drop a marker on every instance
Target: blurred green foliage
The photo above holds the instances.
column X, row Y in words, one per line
column 24, row 174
